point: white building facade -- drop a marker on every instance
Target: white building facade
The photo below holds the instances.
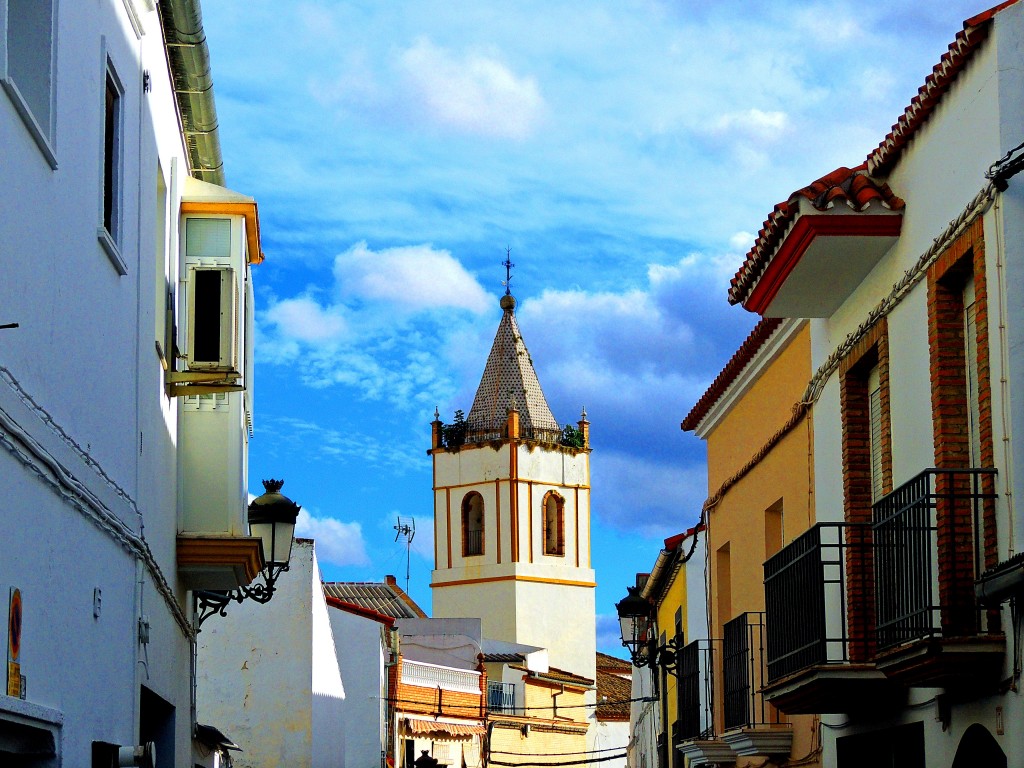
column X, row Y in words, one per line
column 909, row 268
column 269, row 674
column 107, row 124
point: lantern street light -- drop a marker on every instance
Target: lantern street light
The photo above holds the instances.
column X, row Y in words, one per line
column 636, row 622
column 272, row 519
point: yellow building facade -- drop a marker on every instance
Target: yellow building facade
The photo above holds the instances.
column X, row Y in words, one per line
column 759, row 441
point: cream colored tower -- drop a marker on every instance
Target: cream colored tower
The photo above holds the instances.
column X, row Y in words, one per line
column 512, row 514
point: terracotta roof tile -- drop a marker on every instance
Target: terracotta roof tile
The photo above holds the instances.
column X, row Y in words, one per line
column 942, row 76
column 386, row 599
column 616, row 691
column 613, row 664
column 851, row 186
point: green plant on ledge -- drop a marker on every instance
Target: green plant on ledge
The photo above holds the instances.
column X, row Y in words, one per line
column 572, row 437
column 453, row 435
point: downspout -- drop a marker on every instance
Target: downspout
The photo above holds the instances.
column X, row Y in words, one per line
column 188, row 58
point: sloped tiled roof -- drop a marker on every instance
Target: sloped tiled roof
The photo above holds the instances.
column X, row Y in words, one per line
column 509, row 380
column 505, row 658
column 384, row 598
column 942, row 76
column 851, row 186
column 557, row 675
column 613, row 664
column 616, row 692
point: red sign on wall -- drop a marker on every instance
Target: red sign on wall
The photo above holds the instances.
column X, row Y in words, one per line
column 14, row 644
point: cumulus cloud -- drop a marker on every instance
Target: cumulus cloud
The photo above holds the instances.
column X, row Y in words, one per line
column 303, row 319
column 337, row 542
column 474, row 93
column 414, row 277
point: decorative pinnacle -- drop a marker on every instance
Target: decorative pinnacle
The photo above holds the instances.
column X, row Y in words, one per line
column 507, row 263
column 583, row 416
column 272, row 486
column 437, row 414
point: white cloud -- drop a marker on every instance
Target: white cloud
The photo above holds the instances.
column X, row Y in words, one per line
column 752, row 123
column 413, row 277
column 476, row 93
column 303, row 319
column 337, row 542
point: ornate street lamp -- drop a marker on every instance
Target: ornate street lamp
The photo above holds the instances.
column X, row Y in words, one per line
column 636, row 622
column 272, row 519
column 635, row 615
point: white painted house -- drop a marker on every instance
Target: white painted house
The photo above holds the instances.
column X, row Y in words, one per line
column 125, row 376
column 269, row 674
column 910, row 269
column 363, row 617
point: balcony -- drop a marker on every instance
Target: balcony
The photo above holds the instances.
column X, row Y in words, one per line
column 501, row 698
column 693, row 731
column 695, row 692
column 753, row 726
column 928, row 552
column 817, row 655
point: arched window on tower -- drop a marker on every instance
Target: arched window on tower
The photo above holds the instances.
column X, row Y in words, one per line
column 472, row 524
column 554, row 524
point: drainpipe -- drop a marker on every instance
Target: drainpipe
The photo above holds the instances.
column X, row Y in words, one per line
column 189, row 60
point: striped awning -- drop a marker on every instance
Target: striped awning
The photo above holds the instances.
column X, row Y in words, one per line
column 438, row 731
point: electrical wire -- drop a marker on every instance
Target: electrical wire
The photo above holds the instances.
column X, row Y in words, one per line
column 557, row 754
column 476, row 707
column 619, row 756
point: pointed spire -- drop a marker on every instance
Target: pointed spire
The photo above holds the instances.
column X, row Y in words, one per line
column 509, row 380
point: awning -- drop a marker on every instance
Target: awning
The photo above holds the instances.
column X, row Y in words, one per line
column 438, row 731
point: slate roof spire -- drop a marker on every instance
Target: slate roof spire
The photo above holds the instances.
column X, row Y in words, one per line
column 509, row 382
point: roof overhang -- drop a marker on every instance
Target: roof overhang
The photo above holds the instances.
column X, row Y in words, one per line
column 822, row 248
column 203, row 197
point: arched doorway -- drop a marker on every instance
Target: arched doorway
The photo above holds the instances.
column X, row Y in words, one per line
column 979, row 749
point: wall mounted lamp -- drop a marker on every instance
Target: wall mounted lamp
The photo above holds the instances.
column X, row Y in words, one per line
column 272, row 519
column 639, row 634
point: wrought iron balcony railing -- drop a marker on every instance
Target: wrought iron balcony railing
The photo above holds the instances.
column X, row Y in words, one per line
column 501, row 698
column 743, row 673
column 928, row 550
column 696, row 692
column 474, row 544
column 805, row 598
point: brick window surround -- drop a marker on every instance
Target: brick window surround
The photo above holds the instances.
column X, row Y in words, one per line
column 947, row 277
column 870, row 352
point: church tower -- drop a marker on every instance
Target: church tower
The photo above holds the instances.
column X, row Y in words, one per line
column 512, row 513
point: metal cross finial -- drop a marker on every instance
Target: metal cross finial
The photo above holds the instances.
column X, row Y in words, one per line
column 507, row 263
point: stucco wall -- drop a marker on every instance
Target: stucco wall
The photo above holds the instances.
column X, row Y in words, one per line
column 361, row 657
column 268, row 674
column 81, row 386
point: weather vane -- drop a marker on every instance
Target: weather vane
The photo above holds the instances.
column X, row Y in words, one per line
column 507, row 263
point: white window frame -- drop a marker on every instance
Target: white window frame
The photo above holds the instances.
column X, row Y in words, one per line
column 44, row 135
column 111, row 238
column 228, row 359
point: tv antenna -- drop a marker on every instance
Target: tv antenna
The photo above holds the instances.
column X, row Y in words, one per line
column 406, row 530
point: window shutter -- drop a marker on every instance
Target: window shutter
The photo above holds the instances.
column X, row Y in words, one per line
column 971, row 360
column 875, row 423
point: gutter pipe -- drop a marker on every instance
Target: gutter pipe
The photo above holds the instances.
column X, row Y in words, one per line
column 189, row 60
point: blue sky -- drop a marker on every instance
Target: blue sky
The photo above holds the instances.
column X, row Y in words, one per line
column 627, row 152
